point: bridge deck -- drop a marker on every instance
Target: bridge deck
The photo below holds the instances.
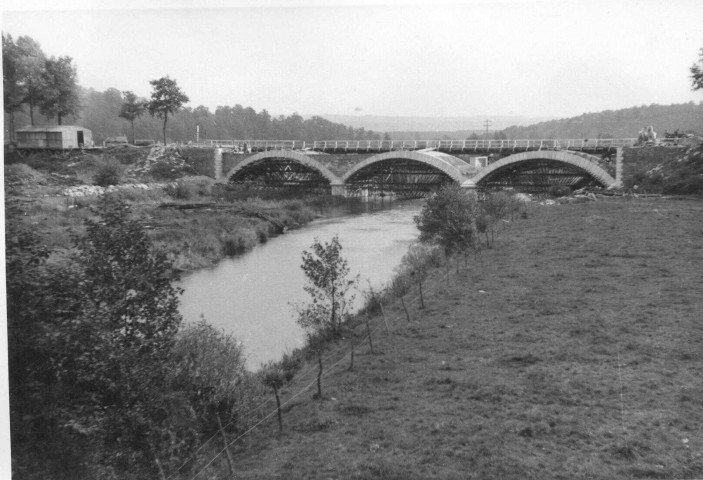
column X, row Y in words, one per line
column 446, row 146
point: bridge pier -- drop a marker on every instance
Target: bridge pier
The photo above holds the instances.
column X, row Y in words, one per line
column 217, row 162
column 618, row 169
column 469, row 186
column 339, row 190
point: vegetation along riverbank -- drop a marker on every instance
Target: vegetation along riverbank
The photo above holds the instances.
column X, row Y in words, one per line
column 195, row 221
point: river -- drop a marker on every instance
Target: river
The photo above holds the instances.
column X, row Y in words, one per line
column 250, row 296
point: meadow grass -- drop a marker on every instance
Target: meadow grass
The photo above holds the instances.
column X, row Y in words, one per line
column 572, row 349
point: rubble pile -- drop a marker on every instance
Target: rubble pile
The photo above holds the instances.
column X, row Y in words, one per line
column 89, row 190
column 160, row 153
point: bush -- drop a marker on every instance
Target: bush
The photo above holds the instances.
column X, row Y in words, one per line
column 182, row 190
column 239, row 242
column 448, row 219
column 208, row 367
column 108, row 173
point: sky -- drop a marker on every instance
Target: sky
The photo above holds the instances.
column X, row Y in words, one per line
column 414, row 58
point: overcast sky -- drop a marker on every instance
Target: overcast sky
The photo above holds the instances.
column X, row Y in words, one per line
column 421, row 58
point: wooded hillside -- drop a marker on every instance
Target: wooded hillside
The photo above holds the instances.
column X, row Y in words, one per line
column 624, row 123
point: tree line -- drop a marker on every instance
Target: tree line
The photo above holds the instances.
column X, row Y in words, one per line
column 623, row 123
column 32, row 81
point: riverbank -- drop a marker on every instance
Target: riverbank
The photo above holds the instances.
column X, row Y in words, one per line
column 570, row 350
column 54, row 195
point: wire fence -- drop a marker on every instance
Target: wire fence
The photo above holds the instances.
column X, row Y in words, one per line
column 341, row 353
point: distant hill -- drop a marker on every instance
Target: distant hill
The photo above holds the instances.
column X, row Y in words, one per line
column 438, row 125
column 624, row 123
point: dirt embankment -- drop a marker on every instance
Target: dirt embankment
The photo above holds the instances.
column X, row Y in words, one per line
column 668, row 170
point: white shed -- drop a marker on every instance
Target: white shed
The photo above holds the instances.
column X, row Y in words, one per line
column 54, row 137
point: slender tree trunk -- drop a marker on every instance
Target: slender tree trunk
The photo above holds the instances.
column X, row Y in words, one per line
column 133, row 139
column 12, row 126
column 368, row 332
column 165, row 120
column 278, row 409
column 31, row 113
column 383, row 314
column 58, row 115
column 334, row 309
column 422, row 300
column 351, row 344
column 230, row 462
column 402, row 302
column 319, row 373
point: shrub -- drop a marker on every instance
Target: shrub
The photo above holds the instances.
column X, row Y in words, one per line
column 208, row 367
column 239, row 242
column 181, row 190
column 448, row 219
column 108, row 173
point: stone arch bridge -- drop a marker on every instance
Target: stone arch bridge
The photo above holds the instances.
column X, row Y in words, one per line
column 415, row 173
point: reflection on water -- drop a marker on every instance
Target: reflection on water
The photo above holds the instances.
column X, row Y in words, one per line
column 250, row 296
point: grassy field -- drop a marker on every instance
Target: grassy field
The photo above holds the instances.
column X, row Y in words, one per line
column 572, row 349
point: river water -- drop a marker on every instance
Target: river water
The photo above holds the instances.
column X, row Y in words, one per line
column 250, row 296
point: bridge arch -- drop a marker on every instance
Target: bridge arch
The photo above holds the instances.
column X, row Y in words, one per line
column 454, row 167
column 579, row 160
column 297, row 157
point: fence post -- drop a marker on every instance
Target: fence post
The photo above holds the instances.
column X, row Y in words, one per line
column 226, row 443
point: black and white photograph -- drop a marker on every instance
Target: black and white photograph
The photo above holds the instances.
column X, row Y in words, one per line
column 352, row 239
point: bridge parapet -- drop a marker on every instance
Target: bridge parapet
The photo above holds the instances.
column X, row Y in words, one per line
column 594, row 145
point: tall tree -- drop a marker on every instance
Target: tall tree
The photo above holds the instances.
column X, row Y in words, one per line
column 13, row 91
column 59, row 97
column 329, row 287
column 132, row 108
column 32, row 64
column 448, row 219
column 167, row 98
column 697, row 72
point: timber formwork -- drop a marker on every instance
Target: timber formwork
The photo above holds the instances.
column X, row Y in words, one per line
column 405, row 178
column 282, row 174
column 537, row 177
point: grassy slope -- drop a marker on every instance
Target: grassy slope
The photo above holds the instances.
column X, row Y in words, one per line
column 582, row 359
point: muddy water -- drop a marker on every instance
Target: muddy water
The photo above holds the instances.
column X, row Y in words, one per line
column 250, row 296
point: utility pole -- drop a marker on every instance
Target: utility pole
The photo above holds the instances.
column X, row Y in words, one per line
column 487, row 124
